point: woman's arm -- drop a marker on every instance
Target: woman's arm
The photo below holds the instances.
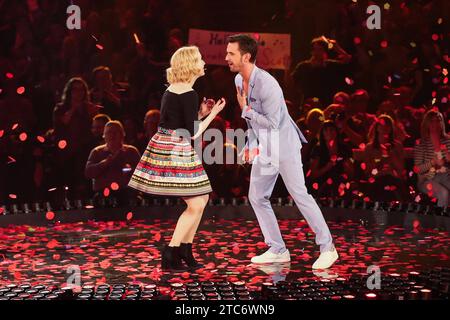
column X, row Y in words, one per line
column 214, row 112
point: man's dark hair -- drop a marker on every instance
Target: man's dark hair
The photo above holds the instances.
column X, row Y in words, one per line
column 246, row 45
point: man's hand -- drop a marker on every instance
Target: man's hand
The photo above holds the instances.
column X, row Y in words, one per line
column 249, row 155
column 241, row 97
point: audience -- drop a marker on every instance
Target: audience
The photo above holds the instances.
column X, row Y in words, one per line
column 381, row 84
column 432, row 158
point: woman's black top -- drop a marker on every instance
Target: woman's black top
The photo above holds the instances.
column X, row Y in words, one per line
column 179, row 111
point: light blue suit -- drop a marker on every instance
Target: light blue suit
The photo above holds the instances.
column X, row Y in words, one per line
column 279, row 141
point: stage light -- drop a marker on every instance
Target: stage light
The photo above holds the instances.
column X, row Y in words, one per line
column 89, row 204
column 79, row 204
column 48, row 207
column 167, row 202
column 15, row 209
column 37, row 207
column 26, row 208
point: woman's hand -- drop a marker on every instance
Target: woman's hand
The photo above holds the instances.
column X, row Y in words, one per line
column 205, row 107
column 218, row 106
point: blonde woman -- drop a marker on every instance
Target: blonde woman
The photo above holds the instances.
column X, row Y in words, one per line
column 432, row 158
column 170, row 166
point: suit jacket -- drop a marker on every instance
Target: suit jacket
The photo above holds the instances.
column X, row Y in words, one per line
column 271, row 128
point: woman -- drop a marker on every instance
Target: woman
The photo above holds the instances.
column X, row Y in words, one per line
column 330, row 161
column 432, row 157
column 170, row 166
column 72, row 121
column 385, row 162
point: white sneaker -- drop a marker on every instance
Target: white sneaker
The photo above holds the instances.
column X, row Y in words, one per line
column 326, row 260
column 269, row 257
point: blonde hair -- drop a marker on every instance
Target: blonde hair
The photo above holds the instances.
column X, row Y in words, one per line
column 425, row 126
column 184, row 65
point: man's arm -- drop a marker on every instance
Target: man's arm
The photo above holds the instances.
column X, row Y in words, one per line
column 96, row 166
column 270, row 103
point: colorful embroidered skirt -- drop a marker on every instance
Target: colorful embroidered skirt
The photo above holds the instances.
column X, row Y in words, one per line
column 170, row 167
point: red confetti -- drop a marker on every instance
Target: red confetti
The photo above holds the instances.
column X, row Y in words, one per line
column 15, row 125
column 315, row 186
column 106, row 192
column 23, row 136
column 50, row 215
column 40, row 139
column 157, row 237
column 114, row 186
column 52, row 244
column 20, row 90
column 384, row 44
column 356, row 40
column 105, row 264
column 2, row 210
column 330, row 181
column 2, row 132
column 99, row 46
column 129, row 216
column 62, row 144
column 9, row 75
column 435, row 37
column 363, row 166
column 12, row 196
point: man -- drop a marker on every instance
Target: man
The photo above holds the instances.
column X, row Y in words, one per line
column 321, row 77
column 110, row 165
column 266, row 114
column 97, row 129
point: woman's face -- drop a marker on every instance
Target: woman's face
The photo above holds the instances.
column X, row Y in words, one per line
column 384, row 130
column 435, row 125
column 78, row 92
column 201, row 66
column 329, row 134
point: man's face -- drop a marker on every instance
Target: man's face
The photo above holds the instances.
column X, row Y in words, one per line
column 113, row 137
column 318, row 52
column 97, row 128
column 234, row 57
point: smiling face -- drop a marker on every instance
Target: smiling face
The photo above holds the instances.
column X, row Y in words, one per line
column 234, row 58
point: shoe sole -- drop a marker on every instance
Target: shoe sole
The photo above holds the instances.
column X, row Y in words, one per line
column 268, row 262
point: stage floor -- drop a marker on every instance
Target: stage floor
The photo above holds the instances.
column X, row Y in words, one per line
column 128, row 252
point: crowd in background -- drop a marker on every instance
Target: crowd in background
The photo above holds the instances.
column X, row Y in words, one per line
column 78, row 107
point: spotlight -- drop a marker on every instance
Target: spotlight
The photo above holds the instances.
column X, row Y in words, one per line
column 48, row 206
column 222, row 202
column 89, row 204
column 15, row 209
column 67, row 205
column 144, row 202
column 78, row 204
column 234, row 201
column 167, row 202
column 290, row 202
column 37, row 207
column 26, row 208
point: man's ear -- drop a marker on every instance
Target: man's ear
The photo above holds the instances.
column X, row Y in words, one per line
column 247, row 57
